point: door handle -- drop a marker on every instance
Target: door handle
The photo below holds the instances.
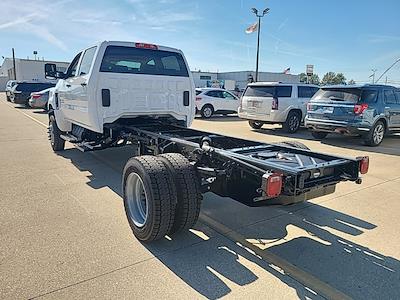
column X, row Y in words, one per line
column 83, row 84
column 68, row 85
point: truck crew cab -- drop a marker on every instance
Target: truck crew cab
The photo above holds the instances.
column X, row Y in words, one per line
column 143, row 95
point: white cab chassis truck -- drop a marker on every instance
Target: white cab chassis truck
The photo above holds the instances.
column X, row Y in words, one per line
column 142, row 95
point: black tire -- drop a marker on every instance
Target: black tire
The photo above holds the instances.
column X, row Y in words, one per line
column 319, row 135
column 293, row 144
column 207, row 111
column 375, row 135
column 255, row 124
column 187, row 185
column 57, row 143
column 293, row 122
column 8, row 98
column 160, row 193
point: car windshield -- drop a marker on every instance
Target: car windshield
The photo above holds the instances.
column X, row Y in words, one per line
column 120, row 59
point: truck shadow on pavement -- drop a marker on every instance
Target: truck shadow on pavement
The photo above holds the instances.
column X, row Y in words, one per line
column 306, row 235
column 390, row 144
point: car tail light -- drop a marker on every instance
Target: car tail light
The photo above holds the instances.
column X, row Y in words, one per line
column 198, row 98
column 272, row 184
column 275, row 104
column 36, row 96
column 364, row 164
column 310, row 107
column 146, row 46
column 360, row 108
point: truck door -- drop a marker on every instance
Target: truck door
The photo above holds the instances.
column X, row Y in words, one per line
column 79, row 87
column 64, row 88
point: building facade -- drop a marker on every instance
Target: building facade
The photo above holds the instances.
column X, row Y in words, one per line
column 241, row 78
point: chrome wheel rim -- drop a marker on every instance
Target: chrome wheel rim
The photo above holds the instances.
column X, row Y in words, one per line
column 137, row 201
column 207, row 112
column 294, row 123
column 378, row 134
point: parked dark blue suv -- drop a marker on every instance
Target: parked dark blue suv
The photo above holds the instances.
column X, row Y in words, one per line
column 368, row 110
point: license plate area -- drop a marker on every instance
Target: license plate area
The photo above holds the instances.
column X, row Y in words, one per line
column 324, row 110
column 253, row 104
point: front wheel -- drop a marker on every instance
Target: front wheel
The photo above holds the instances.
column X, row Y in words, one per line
column 57, row 143
column 149, row 197
column 375, row 135
column 256, row 124
column 319, row 135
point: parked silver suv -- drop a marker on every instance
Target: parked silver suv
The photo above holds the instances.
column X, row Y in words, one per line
column 276, row 103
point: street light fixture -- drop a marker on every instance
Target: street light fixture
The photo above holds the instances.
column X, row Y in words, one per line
column 259, row 16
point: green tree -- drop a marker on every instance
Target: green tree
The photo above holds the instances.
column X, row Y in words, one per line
column 314, row 79
column 333, row 78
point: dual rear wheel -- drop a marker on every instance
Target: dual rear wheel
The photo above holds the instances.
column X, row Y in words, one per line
column 161, row 195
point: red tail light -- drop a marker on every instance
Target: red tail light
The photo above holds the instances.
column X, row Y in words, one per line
column 146, row 46
column 198, row 98
column 275, row 104
column 273, row 184
column 309, row 107
column 36, row 96
column 360, row 108
column 364, row 164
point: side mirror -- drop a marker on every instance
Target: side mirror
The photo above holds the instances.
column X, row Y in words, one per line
column 50, row 71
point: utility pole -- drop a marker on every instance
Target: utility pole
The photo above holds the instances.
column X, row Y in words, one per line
column 255, row 11
column 13, row 57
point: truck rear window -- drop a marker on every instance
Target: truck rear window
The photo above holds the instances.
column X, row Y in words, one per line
column 346, row 94
column 131, row 60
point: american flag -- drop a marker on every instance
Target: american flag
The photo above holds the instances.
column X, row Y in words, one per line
column 252, row 28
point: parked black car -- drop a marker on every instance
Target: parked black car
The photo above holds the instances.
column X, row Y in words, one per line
column 21, row 92
column 368, row 110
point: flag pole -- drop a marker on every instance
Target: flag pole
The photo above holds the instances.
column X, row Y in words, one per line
column 258, row 45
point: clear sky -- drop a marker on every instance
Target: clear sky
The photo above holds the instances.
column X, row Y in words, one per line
column 352, row 36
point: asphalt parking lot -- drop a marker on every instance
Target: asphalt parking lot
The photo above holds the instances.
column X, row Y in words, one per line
column 64, row 234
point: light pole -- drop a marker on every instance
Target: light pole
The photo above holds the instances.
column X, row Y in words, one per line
column 397, row 60
column 259, row 16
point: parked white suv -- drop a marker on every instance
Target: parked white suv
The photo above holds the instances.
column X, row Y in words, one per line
column 213, row 100
column 276, row 103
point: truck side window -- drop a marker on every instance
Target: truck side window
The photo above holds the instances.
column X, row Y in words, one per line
column 71, row 71
column 87, row 60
